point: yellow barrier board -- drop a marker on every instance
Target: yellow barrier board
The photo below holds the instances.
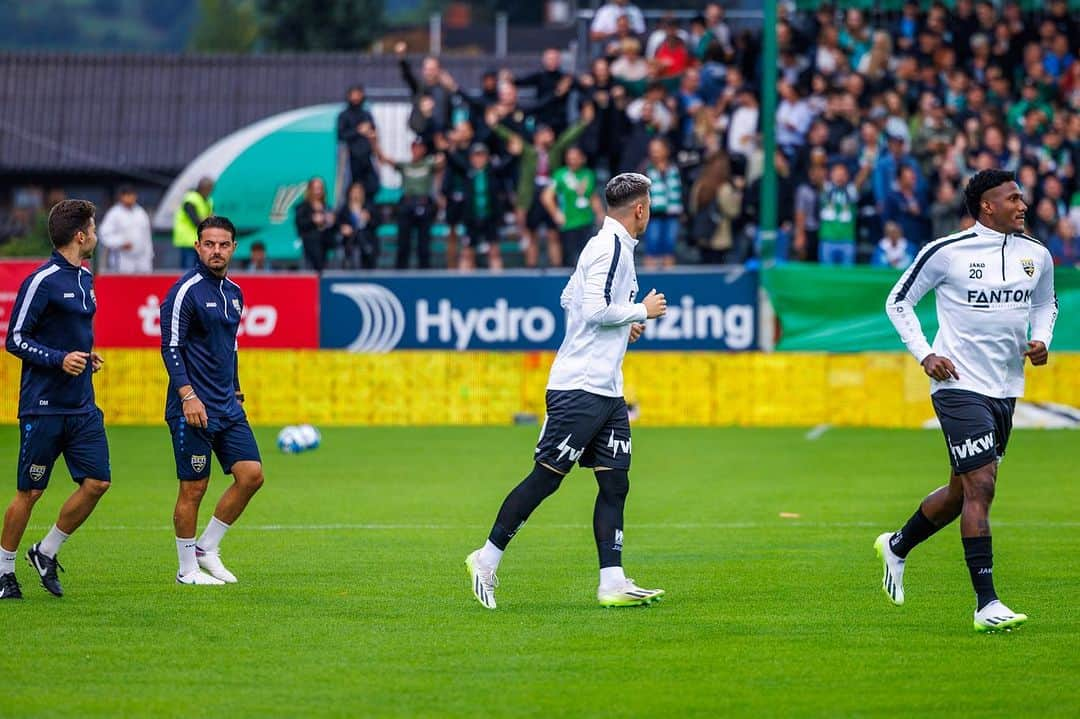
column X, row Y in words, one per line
column 488, row 388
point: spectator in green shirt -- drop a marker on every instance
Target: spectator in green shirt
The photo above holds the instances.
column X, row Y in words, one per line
column 573, row 203
column 484, row 205
column 540, row 160
column 416, row 211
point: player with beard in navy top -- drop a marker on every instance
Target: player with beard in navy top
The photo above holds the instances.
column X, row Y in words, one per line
column 204, row 407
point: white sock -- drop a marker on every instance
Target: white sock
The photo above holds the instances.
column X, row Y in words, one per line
column 52, row 542
column 7, row 561
column 490, row 555
column 212, row 536
column 612, row 576
column 185, row 549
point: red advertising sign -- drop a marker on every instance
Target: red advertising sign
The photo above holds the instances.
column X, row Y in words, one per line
column 12, row 273
column 280, row 311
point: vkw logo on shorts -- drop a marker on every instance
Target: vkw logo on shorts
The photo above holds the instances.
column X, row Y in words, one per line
column 37, row 472
column 972, row 447
column 198, row 462
column 1029, row 266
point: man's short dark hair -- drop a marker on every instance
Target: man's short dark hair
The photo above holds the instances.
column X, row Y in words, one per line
column 258, row 245
column 68, row 217
column 622, row 190
column 125, row 190
column 980, row 183
column 216, row 221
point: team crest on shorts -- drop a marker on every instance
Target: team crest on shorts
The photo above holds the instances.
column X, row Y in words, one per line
column 37, row 472
column 198, row 462
column 1029, row 266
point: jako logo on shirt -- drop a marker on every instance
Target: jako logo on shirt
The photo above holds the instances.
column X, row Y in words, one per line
column 256, row 321
column 973, row 447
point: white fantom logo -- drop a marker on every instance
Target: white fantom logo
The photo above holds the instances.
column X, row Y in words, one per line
column 382, row 318
column 284, row 198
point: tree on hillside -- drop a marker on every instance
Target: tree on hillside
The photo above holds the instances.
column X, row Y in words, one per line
column 325, row 25
column 226, row 26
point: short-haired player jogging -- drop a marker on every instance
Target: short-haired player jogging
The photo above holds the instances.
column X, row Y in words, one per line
column 52, row 331
column 991, row 282
column 587, row 420
column 199, row 320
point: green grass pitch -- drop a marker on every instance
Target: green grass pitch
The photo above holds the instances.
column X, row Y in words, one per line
column 354, row 601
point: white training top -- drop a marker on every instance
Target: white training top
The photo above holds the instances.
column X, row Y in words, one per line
column 600, row 307
column 121, row 226
column 988, row 286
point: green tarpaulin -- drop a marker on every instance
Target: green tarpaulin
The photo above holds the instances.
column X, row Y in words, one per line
column 841, row 309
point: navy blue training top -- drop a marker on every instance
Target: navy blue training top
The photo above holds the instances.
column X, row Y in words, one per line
column 53, row 315
column 199, row 320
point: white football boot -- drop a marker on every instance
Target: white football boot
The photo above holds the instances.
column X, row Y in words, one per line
column 484, row 580
column 211, row 562
column 996, row 617
column 892, row 581
column 627, row 594
column 197, row 577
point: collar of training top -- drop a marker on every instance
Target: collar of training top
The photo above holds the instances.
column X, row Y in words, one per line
column 203, row 270
column 984, row 231
column 63, row 262
column 613, row 225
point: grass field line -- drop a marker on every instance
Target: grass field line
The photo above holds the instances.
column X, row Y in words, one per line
column 376, row 526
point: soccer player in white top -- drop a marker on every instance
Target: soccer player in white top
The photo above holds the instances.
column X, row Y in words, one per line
column 587, row 421
column 991, row 282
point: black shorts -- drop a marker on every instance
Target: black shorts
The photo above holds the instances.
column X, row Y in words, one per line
column 538, row 216
column 573, row 243
column 586, row 428
column 976, row 427
column 477, row 232
column 79, row 437
column 231, row 441
column 455, row 208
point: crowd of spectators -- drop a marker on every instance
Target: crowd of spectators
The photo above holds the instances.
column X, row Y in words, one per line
column 879, row 124
column 881, row 119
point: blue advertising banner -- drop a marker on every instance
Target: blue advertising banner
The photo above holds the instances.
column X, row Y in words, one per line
column 713, row 309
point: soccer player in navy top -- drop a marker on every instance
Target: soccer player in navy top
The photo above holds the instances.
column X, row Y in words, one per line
column 52, row 331
column 204, row 407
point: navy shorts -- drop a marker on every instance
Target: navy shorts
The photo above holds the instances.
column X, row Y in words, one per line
column 230, row 440
column 976, row 427
column 586, row 428
column 79, row 437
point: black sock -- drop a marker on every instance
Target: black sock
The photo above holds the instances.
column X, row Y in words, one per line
column 521, row 502
column 980, row 560
column 917, row 530
column 614, row 484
